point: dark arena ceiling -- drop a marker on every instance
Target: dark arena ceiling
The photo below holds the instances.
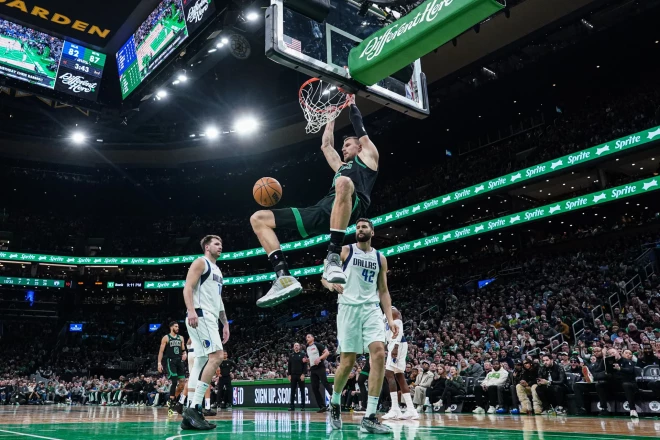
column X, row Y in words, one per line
column 517, row 52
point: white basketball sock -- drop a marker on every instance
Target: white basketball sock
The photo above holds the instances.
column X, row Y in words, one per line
column 198, row 398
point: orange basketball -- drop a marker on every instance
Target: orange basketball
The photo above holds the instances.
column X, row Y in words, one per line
column 267, row 191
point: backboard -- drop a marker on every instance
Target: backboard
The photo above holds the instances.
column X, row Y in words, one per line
column 321, row 50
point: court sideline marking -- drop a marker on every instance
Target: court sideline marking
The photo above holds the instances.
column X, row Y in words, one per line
column 29, row 435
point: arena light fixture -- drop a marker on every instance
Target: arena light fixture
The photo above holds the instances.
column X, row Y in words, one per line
column 212, row 132
column 252, row 16
column 182, row 77
column 224, row 40
column 78, row 137
column 246, row 125
column 161, row 94
column 220, row 45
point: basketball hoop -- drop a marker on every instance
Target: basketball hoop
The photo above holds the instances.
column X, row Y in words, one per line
column 321, row 103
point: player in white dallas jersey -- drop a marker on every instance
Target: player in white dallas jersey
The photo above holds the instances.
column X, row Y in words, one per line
column 203, row 297
column 360, row 321
column 397, row 350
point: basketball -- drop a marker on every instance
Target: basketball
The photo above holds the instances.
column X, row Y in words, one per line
column 267, row 191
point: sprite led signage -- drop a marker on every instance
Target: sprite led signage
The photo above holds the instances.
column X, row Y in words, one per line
column 513, row 179
column 541, row 212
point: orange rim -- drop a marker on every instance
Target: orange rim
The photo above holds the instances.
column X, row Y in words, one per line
column 325, row 110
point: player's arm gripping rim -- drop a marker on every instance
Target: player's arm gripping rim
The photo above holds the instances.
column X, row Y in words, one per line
column 385, row 298
column 369, row 153
column 337, row 287
column 225, row 326
column 163, row 344
column 194, row 274
column 328, row 147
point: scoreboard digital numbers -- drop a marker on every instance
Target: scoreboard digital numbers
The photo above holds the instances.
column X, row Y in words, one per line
column 157, row 37
column 48, row 61
column 80, row 72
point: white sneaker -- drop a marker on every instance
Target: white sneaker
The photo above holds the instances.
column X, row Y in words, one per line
column 393, row 414
column 437, row 407
column 410, row 414
column 491, row 410
column 448, row 410
column 283, row 288
column 479, row 410
column 633, row 413
column 332, row 270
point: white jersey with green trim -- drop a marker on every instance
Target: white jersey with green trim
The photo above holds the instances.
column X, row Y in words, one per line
column 361, row 269
column 207, row 293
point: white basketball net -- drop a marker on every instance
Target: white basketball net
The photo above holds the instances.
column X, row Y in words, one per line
column 321, row 103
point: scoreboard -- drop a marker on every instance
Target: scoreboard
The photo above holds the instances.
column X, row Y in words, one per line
column 166, row 28
column 48, row 61
column 129, row 70
column 80, row 71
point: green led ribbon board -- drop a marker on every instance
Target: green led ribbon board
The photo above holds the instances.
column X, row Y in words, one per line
column 35, row 282
column 513, row 179
column 542, row 212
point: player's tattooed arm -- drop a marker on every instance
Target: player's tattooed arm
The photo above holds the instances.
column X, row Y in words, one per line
column 328, row 147
column 223, row 318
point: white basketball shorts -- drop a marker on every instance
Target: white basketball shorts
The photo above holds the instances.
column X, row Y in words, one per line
column 359, row 326
column 398, row 364
column 206, row 337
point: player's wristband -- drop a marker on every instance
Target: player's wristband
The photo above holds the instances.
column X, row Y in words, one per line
column 356, row 119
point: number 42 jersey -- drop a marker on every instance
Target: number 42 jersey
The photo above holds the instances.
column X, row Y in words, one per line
column 361, row 269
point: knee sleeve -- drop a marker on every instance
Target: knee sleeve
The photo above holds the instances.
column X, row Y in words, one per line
column 196, row 372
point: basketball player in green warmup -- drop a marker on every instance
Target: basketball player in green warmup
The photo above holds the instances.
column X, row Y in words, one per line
column 348, row 199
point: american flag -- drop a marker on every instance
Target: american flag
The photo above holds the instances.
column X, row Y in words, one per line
column 292, row 43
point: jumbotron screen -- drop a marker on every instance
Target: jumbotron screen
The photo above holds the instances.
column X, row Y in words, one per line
column 157, row 37
column 38, row 58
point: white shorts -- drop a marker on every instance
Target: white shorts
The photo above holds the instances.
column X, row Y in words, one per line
column 206, row 337
column 398, row 366
column 359, row 326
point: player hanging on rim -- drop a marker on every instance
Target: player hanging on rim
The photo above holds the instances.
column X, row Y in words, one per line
column 203, row 297
column 348, row 200
column 360, row 322
column 172, row 349
column 397, row 350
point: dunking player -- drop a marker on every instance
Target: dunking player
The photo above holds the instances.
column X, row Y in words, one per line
column 395, row 366
column 360, row 321
column 203, row 297
column 172, row 351
column 348, row 200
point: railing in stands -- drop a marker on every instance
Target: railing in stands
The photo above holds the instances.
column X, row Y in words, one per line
column 614, row 301
column 427, row 311
column 558, row 337
column 631, row 285
column 597, row 313
column 578, row 328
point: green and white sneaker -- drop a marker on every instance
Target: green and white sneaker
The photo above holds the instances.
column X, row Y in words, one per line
column 372, row 425
column 335, row 416
column 284, row 287
column 333, row 271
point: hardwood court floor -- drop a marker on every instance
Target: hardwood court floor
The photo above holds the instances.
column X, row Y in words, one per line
column 78, row 423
